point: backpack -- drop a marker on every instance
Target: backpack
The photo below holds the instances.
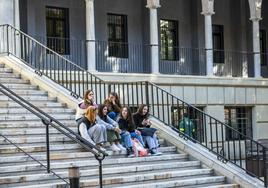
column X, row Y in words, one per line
column 138, row 149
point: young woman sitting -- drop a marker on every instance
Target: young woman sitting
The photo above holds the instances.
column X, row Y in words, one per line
column 142, row 122
column 113, row 105
column 87, row 101
column 125, row 121
column 126, row 124
column 90, row 130
column 113, row 131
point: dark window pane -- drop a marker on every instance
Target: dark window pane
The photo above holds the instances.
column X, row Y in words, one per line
column 239, row 118
column 169, row 40
column 57, row 27
column 263, row 47
column 117, row 36
column 218, row 44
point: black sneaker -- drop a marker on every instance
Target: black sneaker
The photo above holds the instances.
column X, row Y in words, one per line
column 130, row 153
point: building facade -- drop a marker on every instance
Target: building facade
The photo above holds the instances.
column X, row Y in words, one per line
column 210, row 53
column 120, row 36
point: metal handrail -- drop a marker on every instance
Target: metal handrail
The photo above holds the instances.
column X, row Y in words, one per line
column 255, row 149
column 49, row 120
column 150, row 91
column 200, row 111
column 51, row 171
column 50, row 50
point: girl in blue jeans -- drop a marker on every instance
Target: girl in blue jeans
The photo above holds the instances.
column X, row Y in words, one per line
column 128, row 128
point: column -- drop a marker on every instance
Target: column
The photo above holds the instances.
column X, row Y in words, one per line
column 208, row 11
column 7, row 12
column 17, row 26
column 16, row 14
column 255, row 17
column 90, row 36
column 154, row 33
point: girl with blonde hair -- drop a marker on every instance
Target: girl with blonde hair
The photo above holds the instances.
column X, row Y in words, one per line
column 90, row 130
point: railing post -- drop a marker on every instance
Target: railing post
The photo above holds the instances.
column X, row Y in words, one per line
column 74, row 177
column 100, row 159
column 100, row 173
column 265, row 169
column 47, row 143
column 7, row 42
column 147, row 93
column 48, row 151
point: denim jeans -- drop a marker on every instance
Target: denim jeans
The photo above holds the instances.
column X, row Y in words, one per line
column 151, row 141
column 138, row 137
column 126, row 139
column 112, row 115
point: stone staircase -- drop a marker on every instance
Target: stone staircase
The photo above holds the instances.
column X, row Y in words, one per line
column 172, row 169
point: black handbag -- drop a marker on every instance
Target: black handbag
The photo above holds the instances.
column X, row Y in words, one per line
column 147, row 131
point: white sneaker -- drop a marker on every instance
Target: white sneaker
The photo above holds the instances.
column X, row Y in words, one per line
column 114, row 148
column 122, row 148
column 101, row 148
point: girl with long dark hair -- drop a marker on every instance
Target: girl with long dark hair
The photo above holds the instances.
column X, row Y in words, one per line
column 143, row 124
column 113, row 131
column 113, row 104
column 126, row 125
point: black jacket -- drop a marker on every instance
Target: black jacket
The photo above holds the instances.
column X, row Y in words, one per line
column 125, row 126
column 138, row 118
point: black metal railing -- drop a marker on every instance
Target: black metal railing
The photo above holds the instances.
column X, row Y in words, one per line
column 72, row 49
column 232, row 63
column 182, row 61
column 122, row 57
column 31, row 157
column 136, row 58
column 211, row 133
column 50, row 121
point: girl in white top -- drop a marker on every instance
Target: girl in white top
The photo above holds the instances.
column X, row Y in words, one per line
column 87, row 101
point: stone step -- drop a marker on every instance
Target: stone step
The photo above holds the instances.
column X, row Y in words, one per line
column 13, row 81
column 32, row 124
column 19, row 117
column 23, row 93
column 25, row 111
column 39, row 104
column 7, row 148
column 9, row 75
column 6, row 70
column 20, row 158
column 122, row 168
column 141, row 178
column 37, row 147
column 33, row 139
column 70, row 157
column 20, row 86
column 30, row 98
column 89, row 163
column 55, row 138
column 111, row 176
column 149, row 181
column 178, row 181
column 33, row 131
column 222, row 186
